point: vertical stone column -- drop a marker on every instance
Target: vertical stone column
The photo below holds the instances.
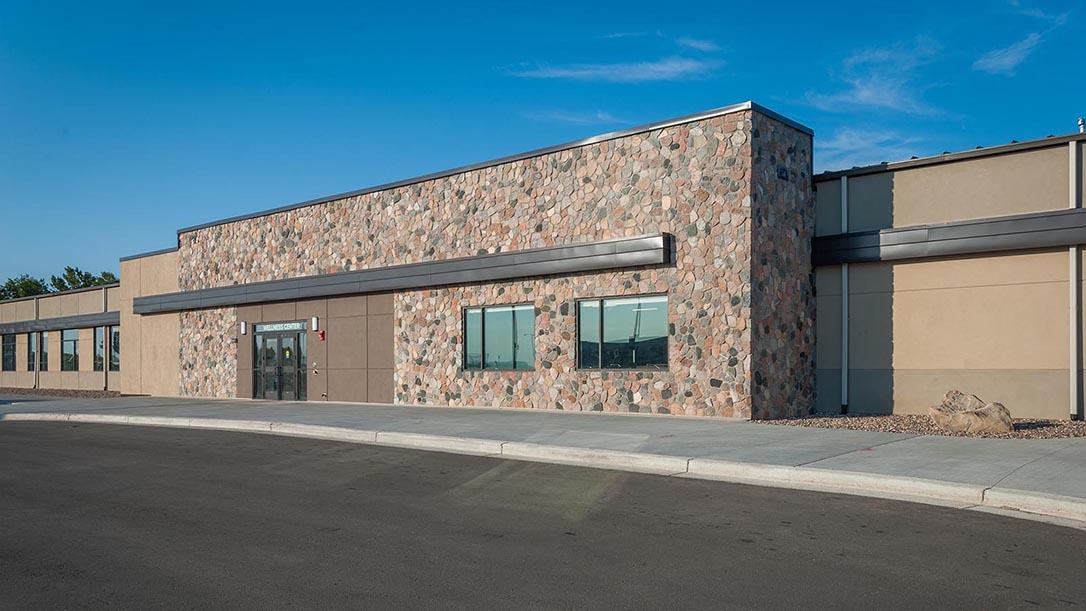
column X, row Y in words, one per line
column 782, row 287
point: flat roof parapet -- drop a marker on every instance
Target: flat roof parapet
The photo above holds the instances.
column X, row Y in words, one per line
column 988, row 151
column 700, row 116
column 67, row 292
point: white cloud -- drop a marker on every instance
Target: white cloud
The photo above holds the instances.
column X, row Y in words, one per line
column 1036, row 13
column 598, row 117
column 699, row 44
column 881, row 79
column 850, row 147
column 1006, row 60
column 670, row 69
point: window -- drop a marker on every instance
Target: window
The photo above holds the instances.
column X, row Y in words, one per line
column 43, row 351
column 69, row 350
column 9, row 352
column 622, row 333
column 31, row 350
column 500, row 337
column 115, row 348
column 99, row 348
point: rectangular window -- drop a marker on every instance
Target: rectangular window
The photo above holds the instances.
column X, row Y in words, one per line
column 9, row 352
column 69, row 350
column 43, row 351
column 622, row 333
column 31, row 350
column 99, row 348
column 501, row 337
column 115, row 348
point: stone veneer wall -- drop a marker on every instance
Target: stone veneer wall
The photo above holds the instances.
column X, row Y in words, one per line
column 692, row 180
column 783, row 305
column 209, row 353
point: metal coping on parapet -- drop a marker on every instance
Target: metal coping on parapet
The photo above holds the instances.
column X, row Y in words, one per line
column 989, row 151
column 151, row 253
column 700, row 116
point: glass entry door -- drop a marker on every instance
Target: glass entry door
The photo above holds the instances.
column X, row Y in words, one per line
column 279, row 369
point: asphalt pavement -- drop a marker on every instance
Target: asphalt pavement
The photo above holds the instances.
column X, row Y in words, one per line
column 95, row 516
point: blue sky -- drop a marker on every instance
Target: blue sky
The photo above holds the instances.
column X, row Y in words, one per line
column 124, row 121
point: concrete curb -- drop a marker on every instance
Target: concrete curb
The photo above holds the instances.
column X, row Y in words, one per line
column 1036, row 502
column 590, row 457
column 440, row 443
column 844, row 481
column 758, row 474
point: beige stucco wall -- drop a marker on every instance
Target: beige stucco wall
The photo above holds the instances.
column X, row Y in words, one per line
column 1012, row 183
column 72, row 303
column 149, row 344
column 995, row 326
column 14, row 311
column 19, row 378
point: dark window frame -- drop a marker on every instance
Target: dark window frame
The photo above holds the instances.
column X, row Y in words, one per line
column 67, row 364
column 43, row 351
column 31, row 350
column 7, row 352
column 599, row 342
column 98, row 341
column 114, row 347
column 482, row 338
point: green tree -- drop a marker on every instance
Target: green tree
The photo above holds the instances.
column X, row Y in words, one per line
column 23, row 286
column 75, row 278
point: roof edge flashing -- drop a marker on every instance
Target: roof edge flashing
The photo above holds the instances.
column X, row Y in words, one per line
column 150, row 253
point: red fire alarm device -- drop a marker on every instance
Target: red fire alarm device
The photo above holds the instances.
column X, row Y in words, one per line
column 320, row 335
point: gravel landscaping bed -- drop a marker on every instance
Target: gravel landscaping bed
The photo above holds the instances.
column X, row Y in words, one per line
column 1024, row 428
column 59, row 392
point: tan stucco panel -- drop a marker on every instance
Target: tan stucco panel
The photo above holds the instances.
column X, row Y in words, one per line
column 1026, row 393
column 17, row 310
column 113, row 299
column 91, row 302
column 989, row 186
column 991, row 327
column 86, row 350
column 872, row 202
column 159, row 349
column 149, row 344
column 158, row 274
column 996, row 326
column 49, row 307
column 828, row 207
column 1013, row 183
column 20, row 352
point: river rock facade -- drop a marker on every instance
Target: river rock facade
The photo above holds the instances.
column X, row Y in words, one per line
column 733, row 191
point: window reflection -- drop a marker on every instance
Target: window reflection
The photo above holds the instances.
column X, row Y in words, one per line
column 623, row 333
column 500, row 337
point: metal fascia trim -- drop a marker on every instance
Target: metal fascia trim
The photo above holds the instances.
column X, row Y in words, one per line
column 996, row 234
column 150, row 253
column 81, row 321
column 550, row 260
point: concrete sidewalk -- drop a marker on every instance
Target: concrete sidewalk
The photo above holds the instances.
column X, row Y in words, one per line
column 1046, row 477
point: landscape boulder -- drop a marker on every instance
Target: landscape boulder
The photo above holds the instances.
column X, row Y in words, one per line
column 962, row 413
